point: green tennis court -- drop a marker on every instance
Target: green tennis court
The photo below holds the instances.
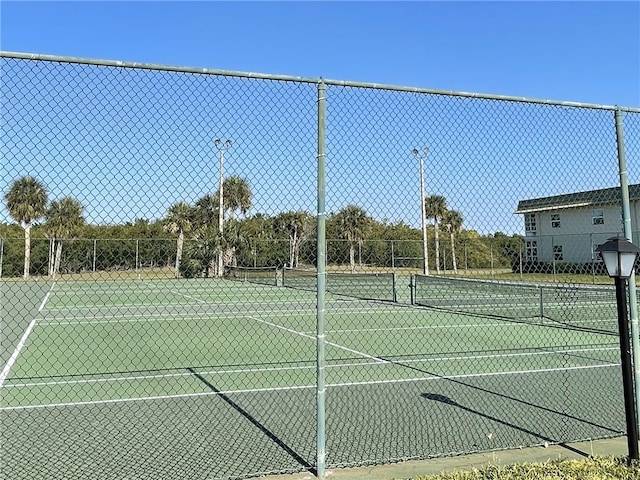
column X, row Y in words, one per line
column 202, row 374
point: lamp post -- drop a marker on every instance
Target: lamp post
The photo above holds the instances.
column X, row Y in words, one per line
column 222, row 148
column 619, row 256
column 421, row 157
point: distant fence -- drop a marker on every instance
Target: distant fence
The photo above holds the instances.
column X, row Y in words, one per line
column 185, row 174
column 479, row 257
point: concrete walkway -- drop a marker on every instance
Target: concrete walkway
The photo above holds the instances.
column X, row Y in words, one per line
column 409, row 469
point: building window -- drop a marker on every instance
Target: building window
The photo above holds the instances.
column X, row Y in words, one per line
column 594, row 255
column 557, row 253
column 598, row 216
column 532, row 250
column 530, row 225
column 555, row 220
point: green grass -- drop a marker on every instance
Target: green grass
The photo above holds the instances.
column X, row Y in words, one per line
column 598, row 468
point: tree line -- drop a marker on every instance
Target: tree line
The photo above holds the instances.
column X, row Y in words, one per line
column 189, row 240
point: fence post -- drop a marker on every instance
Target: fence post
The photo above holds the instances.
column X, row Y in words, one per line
column 393, row 258
column 444, row 259
column 94, row 254
column 553, row 252
column 50, row 262
column 520, row 257
column 491, row 256
column 626, row 220
column 1, row 254
column 466, row 260
column 593, row 260
column 321, row 286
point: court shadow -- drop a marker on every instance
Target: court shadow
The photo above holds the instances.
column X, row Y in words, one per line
column 498, row 394
column 272, row 436
column 436, row 397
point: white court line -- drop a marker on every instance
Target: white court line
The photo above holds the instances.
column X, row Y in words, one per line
column 309, row 367
column 166, row 317
column 111, row 306
column 118, row 306
column 301, row 387
column 159, row 376
column 475, row 375
column 159, row 317
column 350, row 350
column 437, row 327
column 189, row 297
column 146, row 399
column 14, row 356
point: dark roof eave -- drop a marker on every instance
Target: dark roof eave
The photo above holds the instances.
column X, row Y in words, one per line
column 574, row 200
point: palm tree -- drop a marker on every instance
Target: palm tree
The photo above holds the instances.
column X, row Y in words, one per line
column 62, row 217
column 26, row 202
column 296, row 226
column 257, row 230
column 452, row 221
column 234, row 238
column 206, row 211
column 202, row 251
column 206, row 232
column 178, row 220
column 236, row 195
column 353, row 223
column 436, row 207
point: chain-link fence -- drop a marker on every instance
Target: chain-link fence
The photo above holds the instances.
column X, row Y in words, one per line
column 211, row 274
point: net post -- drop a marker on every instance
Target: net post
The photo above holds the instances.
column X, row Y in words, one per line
column 395, row 291
column 1, row 254
column 541, row 295
column 412, row 286
column 321, row 287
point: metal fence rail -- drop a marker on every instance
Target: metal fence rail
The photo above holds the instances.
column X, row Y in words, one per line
column 210, row 274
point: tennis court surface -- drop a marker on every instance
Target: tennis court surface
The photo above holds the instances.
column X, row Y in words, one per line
column 212, row 378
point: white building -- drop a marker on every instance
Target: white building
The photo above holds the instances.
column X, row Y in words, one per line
column 568, row 228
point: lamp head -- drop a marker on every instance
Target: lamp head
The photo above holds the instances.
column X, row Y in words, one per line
column 415, row 151
column 619, row 256
column 218, row 143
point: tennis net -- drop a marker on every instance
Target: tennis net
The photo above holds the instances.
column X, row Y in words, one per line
column 262, row 275
column 581, row 307
column 367, row 286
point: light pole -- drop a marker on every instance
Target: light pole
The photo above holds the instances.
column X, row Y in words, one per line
column 425, row 256
column 619, row 256
column 222, row 148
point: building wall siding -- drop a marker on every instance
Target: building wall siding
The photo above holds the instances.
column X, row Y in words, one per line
column 577, row 236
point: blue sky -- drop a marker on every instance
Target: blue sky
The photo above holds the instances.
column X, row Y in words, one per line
column 582, row 51
column 585, row 52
